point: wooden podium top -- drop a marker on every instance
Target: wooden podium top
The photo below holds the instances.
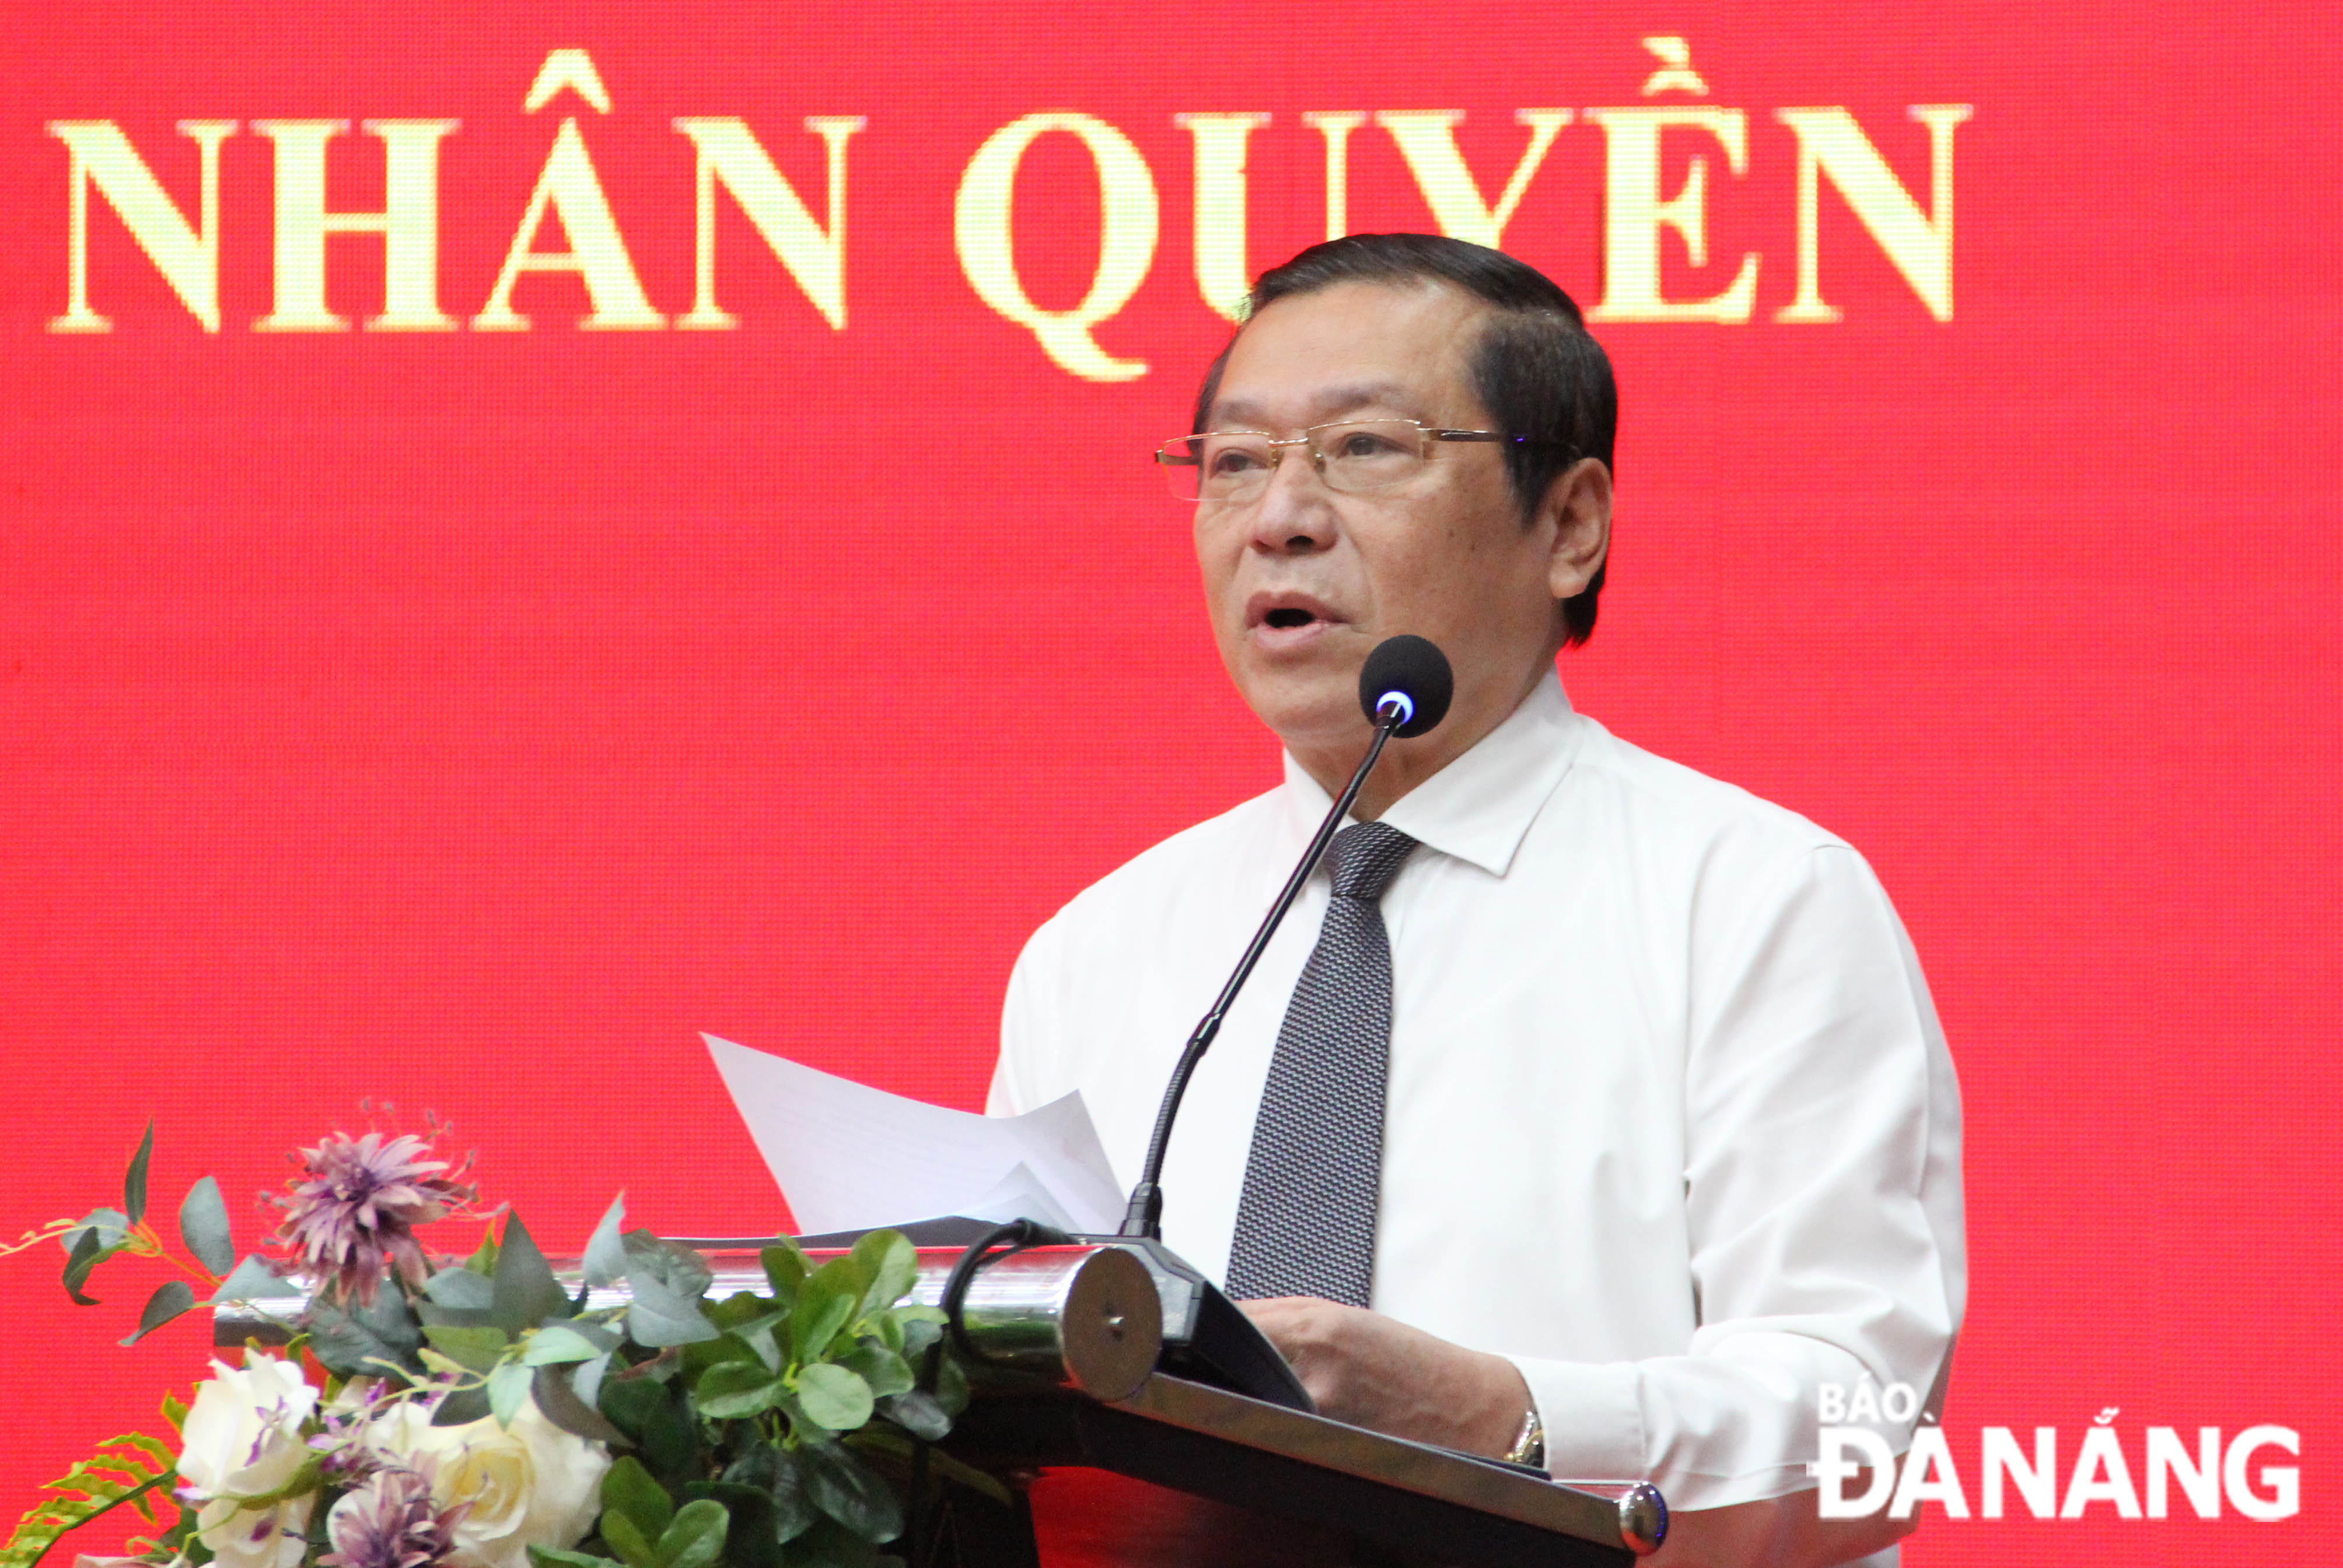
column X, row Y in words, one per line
column 1399, row 1500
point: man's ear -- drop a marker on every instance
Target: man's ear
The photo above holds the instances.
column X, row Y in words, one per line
column 1577, row 509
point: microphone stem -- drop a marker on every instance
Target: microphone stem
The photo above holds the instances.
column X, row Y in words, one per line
column 1144, row 1218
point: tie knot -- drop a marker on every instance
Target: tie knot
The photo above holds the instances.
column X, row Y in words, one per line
column 1363, row 858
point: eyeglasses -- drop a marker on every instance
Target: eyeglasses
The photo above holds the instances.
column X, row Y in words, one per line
column 1353, row 457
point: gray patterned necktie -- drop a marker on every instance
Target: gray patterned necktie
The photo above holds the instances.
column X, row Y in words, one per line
column 1306, row 1220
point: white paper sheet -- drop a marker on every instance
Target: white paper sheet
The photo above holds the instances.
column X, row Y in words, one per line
column 848, row 1157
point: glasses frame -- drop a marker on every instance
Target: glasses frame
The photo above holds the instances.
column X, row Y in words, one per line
column 1306, row 441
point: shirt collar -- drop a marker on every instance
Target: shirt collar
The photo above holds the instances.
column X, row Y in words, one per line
column 1480, row 806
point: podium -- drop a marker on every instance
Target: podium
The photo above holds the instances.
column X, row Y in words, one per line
column 1359, row 1497
column 1086, row 1357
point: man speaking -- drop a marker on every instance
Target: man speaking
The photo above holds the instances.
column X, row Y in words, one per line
column 1586, row 1109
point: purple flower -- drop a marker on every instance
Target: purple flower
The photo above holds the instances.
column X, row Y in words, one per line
column 391, row 1523
column 344, row 1458
column 351, row 1214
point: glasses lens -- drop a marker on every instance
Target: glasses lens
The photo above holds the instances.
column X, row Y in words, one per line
column 1368, row 453
column 1181, row 461
column 1236, row 465
column 1217, row 467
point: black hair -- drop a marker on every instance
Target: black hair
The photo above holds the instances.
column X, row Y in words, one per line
column 1536, row 370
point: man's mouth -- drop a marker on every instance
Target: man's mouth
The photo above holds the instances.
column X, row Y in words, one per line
column 1287, row 620
column 1286, row 610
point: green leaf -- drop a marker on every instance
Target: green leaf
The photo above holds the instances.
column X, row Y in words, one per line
column 671, row 1439
column 753, row 1541
column 461, row 1408
column 952, row 1386
column 204, row 1227
column 134, row 1180
column 758, row 1335
column 475, row 1349
column 524, row 1292
column 775, row 1471
column 732, row 1391
column 832, row 1396
column 918, row 1333
column 605, row 1255
column 657, row 1317
column 697, row 1537
column 87, row 1254
column 793, row 1510
column 624, row 1537
column 826, row 1304
column 671, row 1264
column 666, row 1281
column 348, row 1339
column 569, row 1408
column 114, row 1224
column 628, row 1402
column 918, row 1414
column 253, row 1281
column 658, row 1418
column 554, row 1557
column 740, row 1307
column 630, row 1492
column 753, row 1466
column 851, row 1491
column 132, row 1468
column 440, row 1366
column 879, row 1367
column 588, row 1380
column 787, row 1268
column 508, row 1391
column 171, row 1298
column 697, row 1357
column 483, row 1260
column 559, row 1343
column 893, row 1265
column 461, row 1290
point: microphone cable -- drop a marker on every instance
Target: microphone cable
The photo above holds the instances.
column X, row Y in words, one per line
column 1001, row 1241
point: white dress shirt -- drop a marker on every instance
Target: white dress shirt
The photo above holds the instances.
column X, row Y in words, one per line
column 1670, row 1121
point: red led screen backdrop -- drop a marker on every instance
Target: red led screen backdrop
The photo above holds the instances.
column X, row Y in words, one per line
column 531, row 531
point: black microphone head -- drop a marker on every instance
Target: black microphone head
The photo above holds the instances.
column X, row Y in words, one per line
column 1413, row 672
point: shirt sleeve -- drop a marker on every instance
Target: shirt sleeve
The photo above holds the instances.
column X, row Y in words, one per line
column 1030, row 1059
column 1822, row 1182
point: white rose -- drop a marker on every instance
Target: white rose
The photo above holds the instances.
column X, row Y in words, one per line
column 530, row 1484
column 242, row 1437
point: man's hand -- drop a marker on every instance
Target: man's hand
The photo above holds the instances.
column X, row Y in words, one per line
column 1377, row 1373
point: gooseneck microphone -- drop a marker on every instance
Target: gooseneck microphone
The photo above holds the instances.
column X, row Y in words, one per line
column 1405, row 691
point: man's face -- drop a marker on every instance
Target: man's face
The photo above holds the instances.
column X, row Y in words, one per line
column 1302, row 582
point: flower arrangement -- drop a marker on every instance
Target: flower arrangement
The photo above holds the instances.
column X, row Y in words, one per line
column 478, row 1414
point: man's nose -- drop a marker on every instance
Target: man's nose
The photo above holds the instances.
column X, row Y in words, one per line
column 1295, row 514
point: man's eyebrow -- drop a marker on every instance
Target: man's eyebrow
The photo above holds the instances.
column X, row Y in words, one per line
column 1329, row 403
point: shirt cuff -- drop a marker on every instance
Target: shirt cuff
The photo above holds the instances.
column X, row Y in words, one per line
column 1593, row 1418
